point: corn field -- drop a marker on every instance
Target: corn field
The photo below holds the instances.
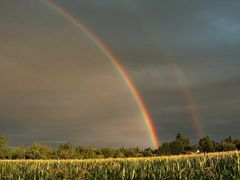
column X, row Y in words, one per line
column 202, row 166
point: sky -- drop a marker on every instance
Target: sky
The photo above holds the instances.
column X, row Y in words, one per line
column 56, row 85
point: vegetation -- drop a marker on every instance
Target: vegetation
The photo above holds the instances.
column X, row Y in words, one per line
column 43, row 162
column 199, row 166
column 4, row 150
column 181, row 145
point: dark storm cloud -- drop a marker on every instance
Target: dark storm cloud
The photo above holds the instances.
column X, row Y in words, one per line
column 200, row 37
column 57, row 86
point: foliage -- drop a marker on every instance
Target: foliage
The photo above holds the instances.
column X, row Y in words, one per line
column 66, row 151
column 4, row 151
column 147, row 152
column 176, row 147
column 206, row 144
column 183, row 140
column 228, row 144
column 85, row 153
column 237, row 143
column 165, row 149
column 38, row 151
column 181, row 145
column 19, row 153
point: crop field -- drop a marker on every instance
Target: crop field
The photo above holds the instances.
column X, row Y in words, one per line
column 199, row 166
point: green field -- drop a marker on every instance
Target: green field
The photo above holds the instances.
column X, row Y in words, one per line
column 200, row 166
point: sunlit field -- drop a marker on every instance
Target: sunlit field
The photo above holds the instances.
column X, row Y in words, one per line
column 224, row 165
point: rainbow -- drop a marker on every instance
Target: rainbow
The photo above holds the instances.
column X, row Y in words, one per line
column 114, row 60
column 187, row 98
column 181, row 82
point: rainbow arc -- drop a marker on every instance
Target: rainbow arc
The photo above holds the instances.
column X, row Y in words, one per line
column 114, row 60
column 185, row 93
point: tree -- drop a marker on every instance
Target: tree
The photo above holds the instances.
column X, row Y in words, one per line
column 176, row 147
column 180, row 145
column 66, row 151
column 218, row 147
column 165, row 149
column 90, row 153
column 4, row 150
column 206, row 144
column 119, row 154
column 38, row 151
column 147, row 152
column 107, row 152
column 132, row 152
column 228, row 144
column 19, row 153
column 237, row 143
column 184, row 141
column 86, row 153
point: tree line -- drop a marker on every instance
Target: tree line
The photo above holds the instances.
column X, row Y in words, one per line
column 181, row 145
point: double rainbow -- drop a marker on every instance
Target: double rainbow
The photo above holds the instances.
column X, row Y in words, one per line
column 114, row 60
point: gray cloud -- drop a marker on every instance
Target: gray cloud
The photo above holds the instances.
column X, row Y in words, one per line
column 56, row 85
column 200, row 37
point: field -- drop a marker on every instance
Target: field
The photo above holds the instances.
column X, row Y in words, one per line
column 200, row 166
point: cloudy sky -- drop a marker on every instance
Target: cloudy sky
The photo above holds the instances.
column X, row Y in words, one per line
column 56, row 85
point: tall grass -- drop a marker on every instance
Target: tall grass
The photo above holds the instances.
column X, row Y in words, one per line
column 203, row 166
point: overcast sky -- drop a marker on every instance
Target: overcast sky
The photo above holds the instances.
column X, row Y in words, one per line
column 56, row 85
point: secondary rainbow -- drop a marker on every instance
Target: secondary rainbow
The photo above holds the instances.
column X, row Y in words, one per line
column 186, row 95
column 101, row 45
column 180, row 80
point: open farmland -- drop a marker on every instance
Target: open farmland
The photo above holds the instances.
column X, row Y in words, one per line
column 199, row 166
